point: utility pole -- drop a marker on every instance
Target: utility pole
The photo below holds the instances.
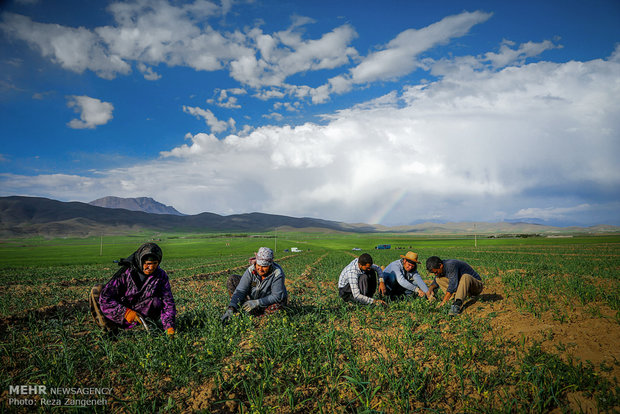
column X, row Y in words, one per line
column 101, row 246
column 275, row 247
column 475, row 236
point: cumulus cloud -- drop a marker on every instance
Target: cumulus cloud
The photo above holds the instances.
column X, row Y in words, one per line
column 145, row 32
column 400, row 56
column 150, row 33
column 494, row 136
column 93, row 112
column 73, row 49
column 461, row 148
column 285, row 53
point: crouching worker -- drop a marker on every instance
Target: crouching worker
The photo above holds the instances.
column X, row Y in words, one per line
column 358, row 281
column 260, row 290
column 139, row 289
column 402, row 278
column 456, row 278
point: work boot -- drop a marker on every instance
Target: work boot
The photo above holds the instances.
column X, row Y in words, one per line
column 454, row 310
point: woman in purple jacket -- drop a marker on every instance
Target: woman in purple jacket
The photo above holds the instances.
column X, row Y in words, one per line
column 139, row 289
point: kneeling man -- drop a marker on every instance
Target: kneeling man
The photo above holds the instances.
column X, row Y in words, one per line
column 358, row 281
column 456, row 278
column 260, row 290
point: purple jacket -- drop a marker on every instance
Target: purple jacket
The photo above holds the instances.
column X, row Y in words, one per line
column 154, row 299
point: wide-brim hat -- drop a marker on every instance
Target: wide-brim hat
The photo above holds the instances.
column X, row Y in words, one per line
column 412, row 257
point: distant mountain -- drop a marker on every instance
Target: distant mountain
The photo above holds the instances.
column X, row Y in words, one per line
column 145, row 204
column 30, row 216
column 34, row 216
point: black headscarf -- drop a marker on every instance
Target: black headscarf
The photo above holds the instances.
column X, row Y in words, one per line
column 137, row 259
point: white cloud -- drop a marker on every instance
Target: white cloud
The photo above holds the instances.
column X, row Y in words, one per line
column 148, row 72
column 481, row 142
column 211, row 120
column 225, row 98
column 285, row 53
column 150, row 33
column 398, row 58
column 146, row 32
column 93, row 112
column 552, row 213
column 74, row 49
column 508, row 56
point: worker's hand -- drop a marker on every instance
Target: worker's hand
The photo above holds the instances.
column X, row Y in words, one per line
column 421, row 293
column 250, row 305
column 227, row 316
column 430, row 295
column 131, row 316
column 170, row 332
column 382, row 289
column 379, row 302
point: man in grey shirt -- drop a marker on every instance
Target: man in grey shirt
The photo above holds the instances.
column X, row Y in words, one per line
column 260, row 290
column 456, row 278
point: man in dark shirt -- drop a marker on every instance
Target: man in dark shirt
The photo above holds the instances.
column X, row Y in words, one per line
column 456, row 278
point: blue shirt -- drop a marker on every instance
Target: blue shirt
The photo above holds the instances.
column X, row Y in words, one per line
column 395, row 273
column 453, row 269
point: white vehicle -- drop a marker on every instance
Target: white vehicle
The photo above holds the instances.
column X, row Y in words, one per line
column 295, row 249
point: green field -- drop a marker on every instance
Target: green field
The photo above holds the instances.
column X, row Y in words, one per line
column 543, row 337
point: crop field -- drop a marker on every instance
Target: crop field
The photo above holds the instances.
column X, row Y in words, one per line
column 544, row 336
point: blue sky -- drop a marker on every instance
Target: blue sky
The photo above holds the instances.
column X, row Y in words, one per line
column 389, row 112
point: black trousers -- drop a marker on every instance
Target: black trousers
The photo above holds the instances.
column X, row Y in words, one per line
column 367, row 284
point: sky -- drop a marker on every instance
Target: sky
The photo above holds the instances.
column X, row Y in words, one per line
column 394, row 112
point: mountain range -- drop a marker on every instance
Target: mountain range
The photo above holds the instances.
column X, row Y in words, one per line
column 146, row 204
column 35, row 216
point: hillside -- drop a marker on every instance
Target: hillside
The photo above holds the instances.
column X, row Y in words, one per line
column 145, row 204
column 34, row 216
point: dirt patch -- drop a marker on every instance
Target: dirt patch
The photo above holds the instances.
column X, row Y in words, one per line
column 584, row 337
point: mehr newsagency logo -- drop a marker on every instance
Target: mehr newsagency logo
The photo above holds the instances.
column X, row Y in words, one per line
column 42, row 395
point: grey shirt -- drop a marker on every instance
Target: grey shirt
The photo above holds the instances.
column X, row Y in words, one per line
column 267, row 290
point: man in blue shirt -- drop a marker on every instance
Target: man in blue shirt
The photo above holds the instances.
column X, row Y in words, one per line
column 402, row 278
column 456, row 278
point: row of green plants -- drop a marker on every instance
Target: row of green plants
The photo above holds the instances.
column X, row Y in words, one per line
column 321, row 355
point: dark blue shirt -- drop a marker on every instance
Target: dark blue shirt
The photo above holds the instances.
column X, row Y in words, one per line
column 453, row 269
